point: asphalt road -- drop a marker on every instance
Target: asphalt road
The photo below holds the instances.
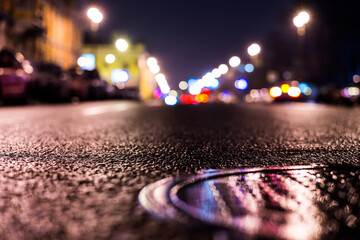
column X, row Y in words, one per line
column 74, row 171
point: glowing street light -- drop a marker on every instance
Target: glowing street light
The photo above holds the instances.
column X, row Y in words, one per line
column 216, row 73
column 110, row 58
column 223, row 68
column 300, row 21
column 151, row 61
column 95, row 15
column 155, row 69
column 254, row 49
column 234, row 61
column 121, row 44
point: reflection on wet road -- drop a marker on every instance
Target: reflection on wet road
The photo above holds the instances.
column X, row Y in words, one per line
column 285, row 203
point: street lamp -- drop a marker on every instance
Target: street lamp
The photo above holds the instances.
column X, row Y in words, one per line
column 234, row 61
column 121, row 44
column 300, row 22
column 254, row 49
column 95, row 16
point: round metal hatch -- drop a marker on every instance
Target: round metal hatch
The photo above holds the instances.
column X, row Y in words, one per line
column 302, row 202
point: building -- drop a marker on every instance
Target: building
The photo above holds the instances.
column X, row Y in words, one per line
column 124, row 67
column 43, row 30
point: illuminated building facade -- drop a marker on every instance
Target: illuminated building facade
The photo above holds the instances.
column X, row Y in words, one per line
column 109, row 60
column 43, row 30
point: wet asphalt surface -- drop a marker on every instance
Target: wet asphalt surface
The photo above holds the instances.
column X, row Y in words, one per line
column 74, row 171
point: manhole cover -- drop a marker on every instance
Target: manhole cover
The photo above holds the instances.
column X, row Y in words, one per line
column 303, row 202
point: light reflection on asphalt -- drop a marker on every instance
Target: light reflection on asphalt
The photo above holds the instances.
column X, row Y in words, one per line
column 279, row 203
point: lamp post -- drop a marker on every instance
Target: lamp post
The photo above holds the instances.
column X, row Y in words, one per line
column 300, row 22
column 96, row 18
column 254, row 50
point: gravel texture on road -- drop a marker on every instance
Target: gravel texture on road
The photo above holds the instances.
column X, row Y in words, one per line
column 75, row 171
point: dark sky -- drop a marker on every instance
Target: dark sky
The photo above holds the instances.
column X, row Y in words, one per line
column 191, row 37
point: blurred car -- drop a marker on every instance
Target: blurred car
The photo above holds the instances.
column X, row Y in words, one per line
column 97, row 87
column 13, row 79
column 87, row 84
column 50, row 82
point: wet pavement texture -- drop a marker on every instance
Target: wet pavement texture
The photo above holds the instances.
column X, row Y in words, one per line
column 75, row 171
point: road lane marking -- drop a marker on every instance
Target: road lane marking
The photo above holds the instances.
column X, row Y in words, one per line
column 104, row 109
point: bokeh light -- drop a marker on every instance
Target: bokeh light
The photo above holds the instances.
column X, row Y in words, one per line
column 223, row 68
column 294, row 92
column 183, row 85
column 86, row 61
column 154, row 69
column 356, row 78
column 254, row 49
column 304, row 17
column 173, row 93
column 110, row 58
column 119, row 76
column 157, row 93
column 241, row 84
column 234, row 61
column 249, row 68
column 121, row 44
column 170, row 100
column 304, row 88
column 151, row 61
column 285, row 88
column 216, row 73
column 95, row 15
column 275, row 92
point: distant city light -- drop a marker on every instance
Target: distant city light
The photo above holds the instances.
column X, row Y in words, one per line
column 86, row 61
column 162, row 82
column 154, row 69
column 241, row 68
column 27, row 67
column 287, row 75
column 191, row 82
column 241, row 84
column 119, row 76
column 297, row 22
column 350, row 92
column 121, row 44
column 275, row 92
column 225, row 96
column 223, row 68
column 95, row 15
column 304, row 88
column 213, row 84
column 304, row 17
column 170, row 100
column 249, row 68
column 151, row 61
column 353, row 91
column 183, row 85
column 356, row 78
column 285, row 88
column 216, row 73
column 294, row 92
column 110, row 58
column 195, row 89
column 160, row 78
column 19, row 57
column 234, row 61
column 254, row 93
column 254, row 49
column 301, row 19
column 173, row 93
column 157, row 93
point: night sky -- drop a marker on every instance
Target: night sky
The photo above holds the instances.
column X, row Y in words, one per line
column 191, row 37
